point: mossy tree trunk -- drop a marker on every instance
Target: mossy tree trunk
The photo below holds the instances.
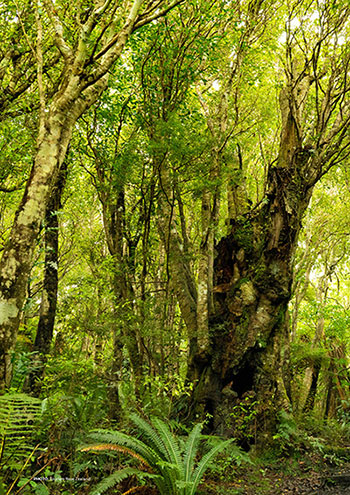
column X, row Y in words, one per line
column 253, row 271
column 44, row 334
column 125, row 331
column 16, row 261
column 253, row 276
column 122, row 244
column 84, row 76
column 221, row 119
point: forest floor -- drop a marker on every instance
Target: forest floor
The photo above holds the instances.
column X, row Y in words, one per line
column 297, row 478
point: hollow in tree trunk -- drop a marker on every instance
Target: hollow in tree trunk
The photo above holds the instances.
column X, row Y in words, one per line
column 253, row 275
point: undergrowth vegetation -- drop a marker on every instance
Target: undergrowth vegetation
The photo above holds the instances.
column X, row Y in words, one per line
column 170, row 460
column 64, row 444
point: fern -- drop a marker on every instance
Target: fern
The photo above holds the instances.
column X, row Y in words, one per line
column 121, row 439
column 203, row 466
column 154, row 440
column 118, row 448
column 172, row 462
column 117, row 477
column 170, row 442
column 173, row 466
column 136, row 448
column 19, row 414
column 191, row 448
column 160, row 443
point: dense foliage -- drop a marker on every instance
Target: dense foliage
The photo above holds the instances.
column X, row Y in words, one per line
column 174, row 241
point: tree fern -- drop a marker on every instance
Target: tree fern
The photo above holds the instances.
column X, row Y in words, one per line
column 172, row 463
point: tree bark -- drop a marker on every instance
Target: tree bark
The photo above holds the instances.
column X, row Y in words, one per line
column 122, row 250
column 181, row 276
column 253, row 274
column 15, row 264
column 43, row 338
column 122, row 288
column 253, row 271
column 252, row 286
column 79, row 88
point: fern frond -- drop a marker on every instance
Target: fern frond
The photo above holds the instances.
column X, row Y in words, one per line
column 191, row 448
column 170, row 442
column 204, row 464
column 19, row 414
column 135, row 489
column 164, row 482
column 154, row 440
column 134, row 444
column 113, row 479
column 171, row 459
column 172, row 468
column 118, row 448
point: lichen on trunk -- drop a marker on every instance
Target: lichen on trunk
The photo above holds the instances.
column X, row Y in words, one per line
column 253, row 276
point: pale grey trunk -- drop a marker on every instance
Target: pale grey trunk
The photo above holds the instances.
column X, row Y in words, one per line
column 78, row 90
column 44, row 334
column 16, row 262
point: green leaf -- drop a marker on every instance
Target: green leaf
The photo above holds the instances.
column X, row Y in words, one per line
column 115, row 478
column 191, row 447
column 204, row 464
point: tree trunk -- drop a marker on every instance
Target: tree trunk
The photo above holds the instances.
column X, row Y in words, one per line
column 307, row 396
column 79, row 87
column 181, row 276
column 209, row 223
column 336, row 395
column 310, row 399
column 16, row 262
column 253, row 275
column 124, row 331
column 48, row 304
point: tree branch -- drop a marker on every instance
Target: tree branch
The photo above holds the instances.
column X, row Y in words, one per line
column 61, row 44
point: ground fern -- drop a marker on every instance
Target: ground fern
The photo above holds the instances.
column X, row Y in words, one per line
column 19, row 414
column 171, row 463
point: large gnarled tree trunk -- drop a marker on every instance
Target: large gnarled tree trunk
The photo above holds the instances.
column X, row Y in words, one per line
column 253, row 273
